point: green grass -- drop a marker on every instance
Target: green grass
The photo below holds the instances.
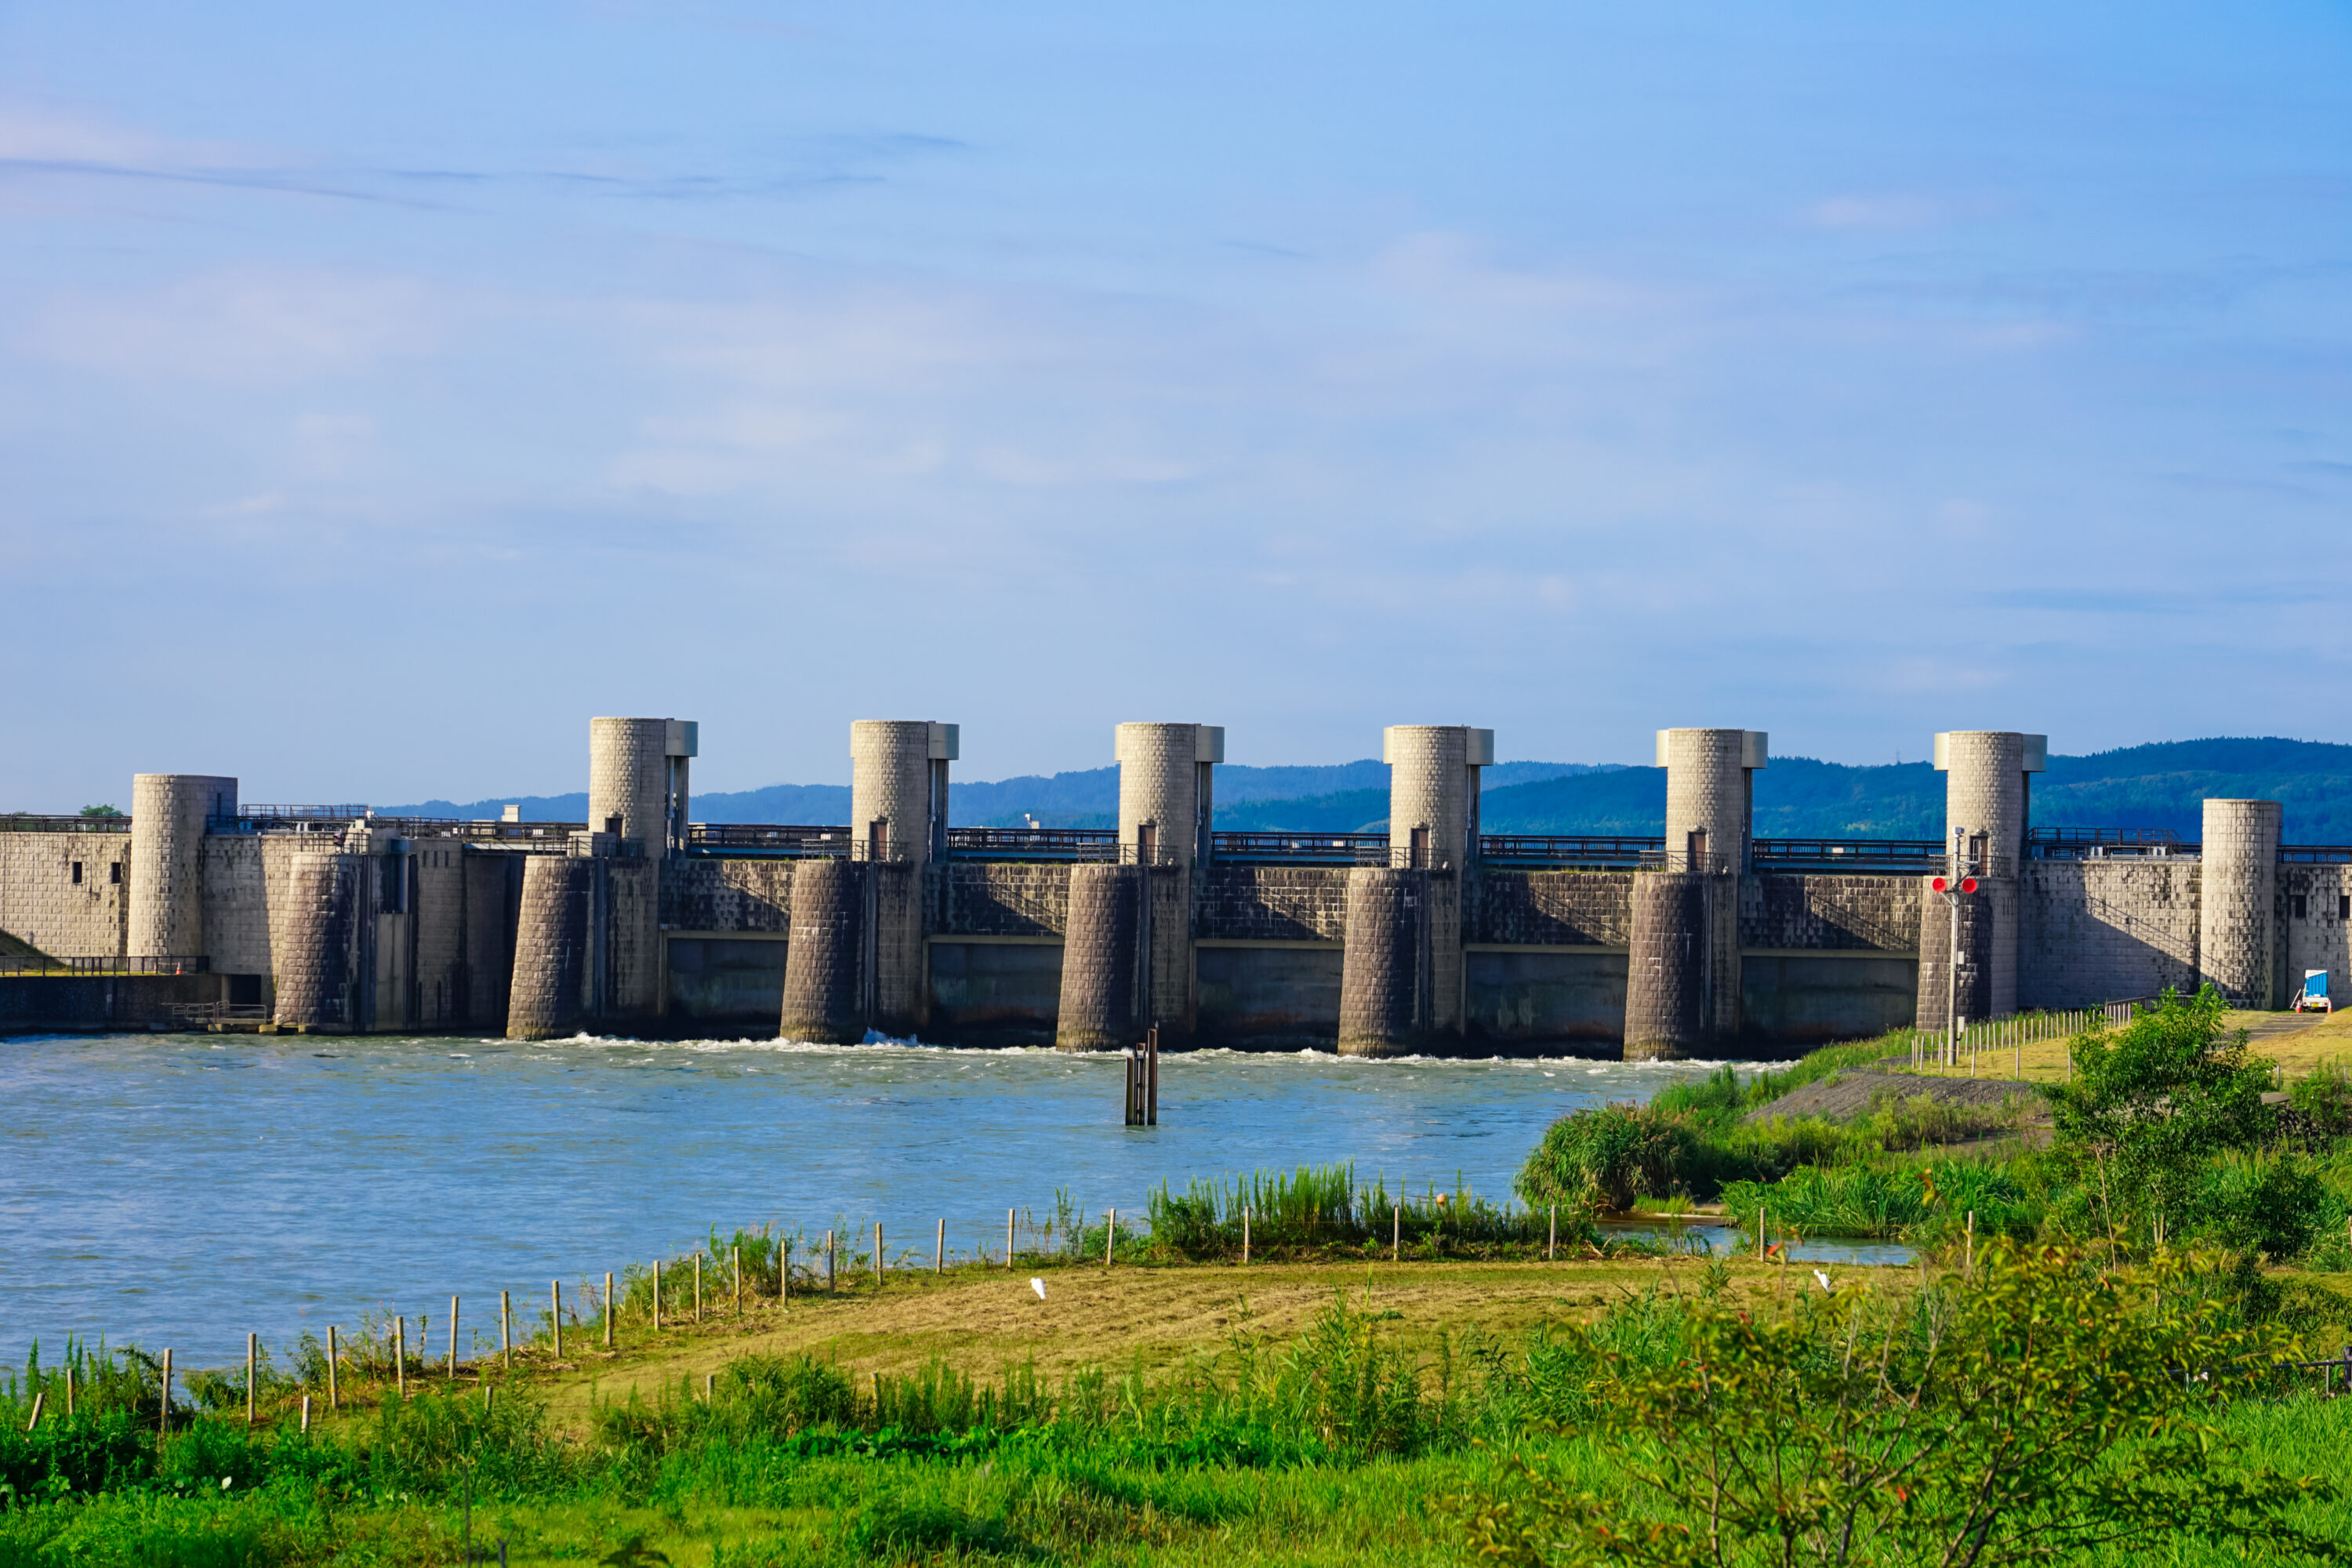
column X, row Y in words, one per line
column 1326, row 1448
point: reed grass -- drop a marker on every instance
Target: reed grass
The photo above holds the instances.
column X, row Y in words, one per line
column 1323, row 1212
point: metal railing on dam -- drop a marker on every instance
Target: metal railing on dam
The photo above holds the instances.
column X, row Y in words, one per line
column 107, row 964
column 1901, row 856
column 330, row 822
column 1527, row 851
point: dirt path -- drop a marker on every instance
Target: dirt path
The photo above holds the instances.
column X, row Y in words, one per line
column 1845, row 1095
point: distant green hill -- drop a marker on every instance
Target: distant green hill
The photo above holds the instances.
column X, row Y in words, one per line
column 2158, row 786
column 2161, row 785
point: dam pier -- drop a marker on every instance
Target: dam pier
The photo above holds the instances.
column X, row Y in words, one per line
column 201, row 910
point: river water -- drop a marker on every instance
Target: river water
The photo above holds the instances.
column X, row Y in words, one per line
column 183, row 1190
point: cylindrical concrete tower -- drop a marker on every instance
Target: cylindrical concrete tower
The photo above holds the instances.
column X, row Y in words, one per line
column 824, row 996
column 1711, row 796
column 1102, row 960
column 629, row 783
column 1433, row 792
column 2238, row 889
column 899, row 788
column 551, row 947
column 1165, row 791
column 1682, row 983
column 1384, row 992
column 1986, row 817
column 1985, row 795
column 1668, row 983
column 168, row 813
column 312, row 944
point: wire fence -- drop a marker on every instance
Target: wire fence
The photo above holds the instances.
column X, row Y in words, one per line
column 1983, row 1043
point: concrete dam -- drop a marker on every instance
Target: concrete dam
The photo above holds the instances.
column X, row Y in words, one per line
column 1431, row 938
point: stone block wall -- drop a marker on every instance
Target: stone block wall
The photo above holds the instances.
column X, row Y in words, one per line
column 493, row 901
column 633, row 938
column 42, row 904
column 974, row 898
column 2315, row 923
column 1878, row 914
column 1552, row 908
column 1273, row 903
column 246, row 878
column 2100, row 931
column 438, row 912
column 900, row 1004
column 1171, row 1004
column 701, row 894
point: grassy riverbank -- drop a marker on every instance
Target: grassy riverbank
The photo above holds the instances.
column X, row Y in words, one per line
column 1293, row 1413
column 1386, row 1379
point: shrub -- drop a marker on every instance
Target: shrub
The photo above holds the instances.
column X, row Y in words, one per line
column 1617, row 1152
column 2038, row 1416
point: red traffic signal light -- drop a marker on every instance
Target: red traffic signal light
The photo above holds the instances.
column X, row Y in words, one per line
column 1941, row 884
column 1967, row 884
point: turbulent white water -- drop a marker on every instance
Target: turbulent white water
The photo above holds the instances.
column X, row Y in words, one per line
column 183, row 1190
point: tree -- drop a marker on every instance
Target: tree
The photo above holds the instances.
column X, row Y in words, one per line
column 99, row 811
column 2152, row 1103
column 2044, row 1411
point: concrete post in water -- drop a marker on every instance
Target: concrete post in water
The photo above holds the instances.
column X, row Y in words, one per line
column 168, row 817
column 1683, row 973
column 1103, row 959
column 1973, row 937
column 551, row 947
column 311, row 945
column 2237, row 933
column 1383, row 975
column 825, row 959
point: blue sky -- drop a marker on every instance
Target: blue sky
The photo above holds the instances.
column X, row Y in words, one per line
column 383, row 392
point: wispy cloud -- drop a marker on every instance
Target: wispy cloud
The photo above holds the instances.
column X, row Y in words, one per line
column 249, row 327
